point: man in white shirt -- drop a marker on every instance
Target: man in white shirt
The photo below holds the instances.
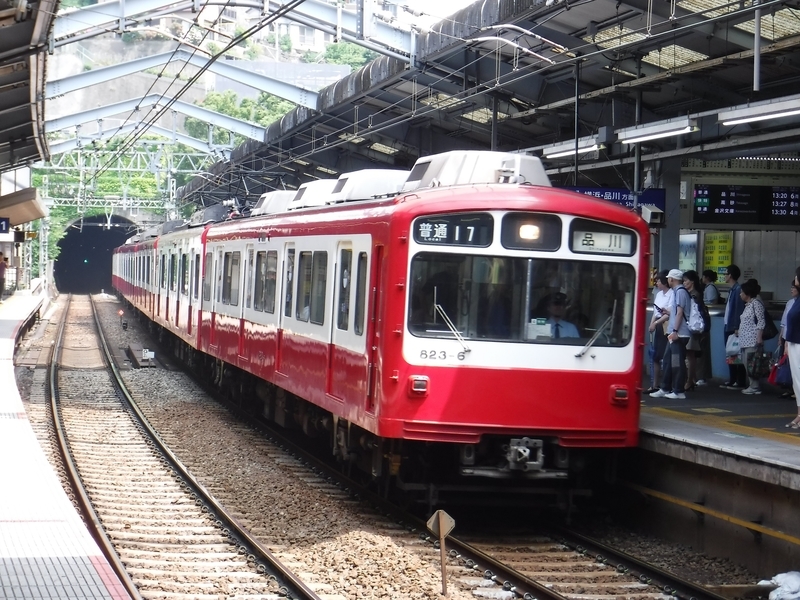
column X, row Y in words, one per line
column 674, row 365
column 559, row 328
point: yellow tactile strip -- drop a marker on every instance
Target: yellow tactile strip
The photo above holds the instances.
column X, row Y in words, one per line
column 731, row 423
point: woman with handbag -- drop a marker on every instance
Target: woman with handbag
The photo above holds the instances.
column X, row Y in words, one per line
column 691, row 283
column 751, row 331
column 795, row 292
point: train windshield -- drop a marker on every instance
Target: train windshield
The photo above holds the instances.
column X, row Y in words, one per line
column 530, row 300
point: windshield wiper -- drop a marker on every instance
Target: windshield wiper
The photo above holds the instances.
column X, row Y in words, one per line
column 599, row 331
column 451, row 327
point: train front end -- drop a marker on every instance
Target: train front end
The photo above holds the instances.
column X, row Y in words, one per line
column 522, row 336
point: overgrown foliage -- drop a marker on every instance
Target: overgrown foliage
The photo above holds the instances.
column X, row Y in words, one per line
column 343, row 53
column 262, row 111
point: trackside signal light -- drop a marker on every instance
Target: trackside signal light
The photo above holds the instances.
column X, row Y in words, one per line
column 418, row 385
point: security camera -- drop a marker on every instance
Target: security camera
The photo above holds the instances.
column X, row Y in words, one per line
column 654, row 216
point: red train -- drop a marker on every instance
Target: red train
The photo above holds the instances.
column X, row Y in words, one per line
column 463, row 319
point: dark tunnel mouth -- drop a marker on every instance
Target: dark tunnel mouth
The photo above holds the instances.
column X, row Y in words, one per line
column 84, row 264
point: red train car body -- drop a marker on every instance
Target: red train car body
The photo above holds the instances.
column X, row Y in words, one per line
column 477, row 329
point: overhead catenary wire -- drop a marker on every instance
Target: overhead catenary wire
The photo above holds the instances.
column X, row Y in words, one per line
column 139, row 131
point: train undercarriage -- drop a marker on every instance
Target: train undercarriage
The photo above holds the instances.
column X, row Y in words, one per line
column 498, row 470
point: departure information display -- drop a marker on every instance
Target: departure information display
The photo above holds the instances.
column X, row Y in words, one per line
column 746, row 204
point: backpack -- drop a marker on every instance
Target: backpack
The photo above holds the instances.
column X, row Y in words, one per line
column 696, row 319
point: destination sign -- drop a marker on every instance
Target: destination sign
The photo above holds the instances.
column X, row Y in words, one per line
column 601, row 242
column 473, row 229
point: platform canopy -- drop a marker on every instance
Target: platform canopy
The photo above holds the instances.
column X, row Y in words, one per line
column 22, row 207
column 24, row 29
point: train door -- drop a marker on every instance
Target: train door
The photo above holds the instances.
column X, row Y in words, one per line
column 194, row 312
column 340, row 322
column 287, row 295
column 172, row 286
column 207, row 302
column 247, row 302
column 159, row 282
column 376, row 326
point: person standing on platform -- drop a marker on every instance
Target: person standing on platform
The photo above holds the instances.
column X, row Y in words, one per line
column 795, row 292
column 694, row 350
column 737, row 379
column 751, row 328
column 710, row 291
column 674, row 365
column 3, row 265
column 662, row 305
column 792, row 334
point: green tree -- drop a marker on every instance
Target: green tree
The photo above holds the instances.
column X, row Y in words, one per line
column 345, row 53
column 284, row 42
column 263, row 111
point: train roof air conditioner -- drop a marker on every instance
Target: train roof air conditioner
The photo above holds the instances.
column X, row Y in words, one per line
column 367, row 185
column 273, row 202
column 465, row 167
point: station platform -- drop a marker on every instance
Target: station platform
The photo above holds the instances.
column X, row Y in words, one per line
column 45, row 549
column 725, row 429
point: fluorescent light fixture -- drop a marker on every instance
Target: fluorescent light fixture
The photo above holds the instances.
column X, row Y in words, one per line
column 563, row 149
column 654, row 131
column 384, row 149
column 351, row 137
column 773, row 109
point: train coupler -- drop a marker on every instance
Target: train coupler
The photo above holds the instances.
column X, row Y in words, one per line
column 525, row 454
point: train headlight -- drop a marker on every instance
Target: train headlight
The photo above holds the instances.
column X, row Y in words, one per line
column 418, row 386
column 529, row 232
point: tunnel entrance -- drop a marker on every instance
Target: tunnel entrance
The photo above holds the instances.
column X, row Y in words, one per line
column 84, row 264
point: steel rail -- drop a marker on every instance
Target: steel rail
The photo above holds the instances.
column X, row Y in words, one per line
column 508, row 578
column 293, row 586
column 670, row 584
column 90, row 517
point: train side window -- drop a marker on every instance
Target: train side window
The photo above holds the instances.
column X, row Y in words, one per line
column 185, row 274
column 147, row 270
column 361, row 293
column 235, row 276
column 196, row 275
column 287, row 308
column 271, row 281
column 207, row 278
column 230, row 278
column 261, row 281
column 319, row 285
column 304, row 276
column 345, row 284
column 163, row 281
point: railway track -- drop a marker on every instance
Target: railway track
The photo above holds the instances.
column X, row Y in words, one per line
column 348, row 544
column 160, row 525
